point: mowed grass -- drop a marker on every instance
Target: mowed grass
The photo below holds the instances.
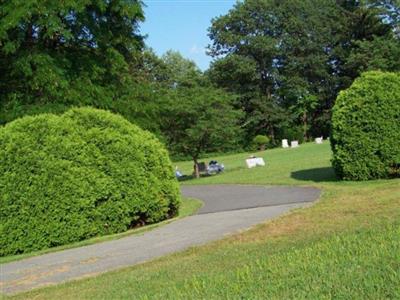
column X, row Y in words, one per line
column 345, row 246
column 308, row 163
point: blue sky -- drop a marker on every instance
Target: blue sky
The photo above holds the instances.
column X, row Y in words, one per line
column 182, row 25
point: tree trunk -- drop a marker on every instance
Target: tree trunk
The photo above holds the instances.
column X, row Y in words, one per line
column 305, row 126
column 196, row 168
column 272, row 134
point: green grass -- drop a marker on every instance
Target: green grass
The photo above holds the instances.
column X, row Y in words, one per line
column 345, row 246
column 307, row 164
column 188, row 207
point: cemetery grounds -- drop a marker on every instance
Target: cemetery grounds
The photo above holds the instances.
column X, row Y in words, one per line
column 346, row 245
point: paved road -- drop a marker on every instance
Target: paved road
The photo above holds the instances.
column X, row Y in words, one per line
column 227, row 209
column 219, row 198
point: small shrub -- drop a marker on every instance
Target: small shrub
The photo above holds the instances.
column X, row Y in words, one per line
column 366, row 128
column 82, row 174
column 260, row 141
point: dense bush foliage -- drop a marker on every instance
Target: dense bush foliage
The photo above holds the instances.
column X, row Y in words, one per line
column 366, row 128
column 260, row 141
column 75, row 53
column 85, row 173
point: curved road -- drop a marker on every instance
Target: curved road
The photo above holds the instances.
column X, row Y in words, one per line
column 226, row 210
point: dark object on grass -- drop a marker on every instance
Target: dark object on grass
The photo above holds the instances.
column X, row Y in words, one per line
column 215, row 167
column 201, row 169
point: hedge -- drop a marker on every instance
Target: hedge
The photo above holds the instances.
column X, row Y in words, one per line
column 85, row 173
column 366, row 128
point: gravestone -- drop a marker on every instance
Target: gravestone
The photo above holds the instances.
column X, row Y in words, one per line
column 294, row 144
column 285, row 143
column 254, row 162
column 318, row 140
column 202, row 166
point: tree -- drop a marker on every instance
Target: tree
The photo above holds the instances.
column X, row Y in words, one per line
column 280, row 40
column 71, row 53
column 200, row 119
column 374, row 54
column 304, row 106
column 193, row 117
column 180, row 71
column 363, row 24
column 297, row 55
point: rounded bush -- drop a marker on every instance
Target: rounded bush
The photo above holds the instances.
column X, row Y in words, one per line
column 260, row 141
column 85, row 173
column 366, row 128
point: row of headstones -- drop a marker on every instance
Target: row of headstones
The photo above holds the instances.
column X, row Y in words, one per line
column 253, row 161
column 294, row 144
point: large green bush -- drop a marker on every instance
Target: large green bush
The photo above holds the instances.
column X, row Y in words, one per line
column 82, row 174
column 366, row 128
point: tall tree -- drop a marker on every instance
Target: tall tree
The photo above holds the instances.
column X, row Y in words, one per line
column 200, row 119
column 55, row 54
column 298, row 54
column 180, row 71
column 278, row 40
column 195, row 116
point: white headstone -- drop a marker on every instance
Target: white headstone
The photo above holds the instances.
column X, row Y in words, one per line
column 253, row 162
column 318, row 140
column 260, row 161
column 285, row 143
column 294, row 144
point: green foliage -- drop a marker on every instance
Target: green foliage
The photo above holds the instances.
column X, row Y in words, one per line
column 195, row 117
column 285, row 61
column 366, row 128
column 260, row 141
column 200, row 119
column 293, row 133
column 54, row 55
column 297, row 55
column 373, row 55
column 180, row 71
column 82, row 174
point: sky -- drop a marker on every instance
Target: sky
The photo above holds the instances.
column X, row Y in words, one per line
column 181, row 25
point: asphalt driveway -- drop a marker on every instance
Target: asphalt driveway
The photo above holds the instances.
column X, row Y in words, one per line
column 227, row 209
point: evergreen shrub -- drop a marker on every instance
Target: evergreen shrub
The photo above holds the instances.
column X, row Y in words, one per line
column 260, row 141
column 366, row 128
column 82, row 174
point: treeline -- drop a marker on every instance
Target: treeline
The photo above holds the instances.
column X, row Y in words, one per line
column 287, row 60
column 277, row 70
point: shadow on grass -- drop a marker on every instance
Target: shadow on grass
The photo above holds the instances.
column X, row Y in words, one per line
column 191, row 177
column 326, row 174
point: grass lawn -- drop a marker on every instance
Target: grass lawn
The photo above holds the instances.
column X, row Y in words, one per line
column 188, row 207
column 345, row 246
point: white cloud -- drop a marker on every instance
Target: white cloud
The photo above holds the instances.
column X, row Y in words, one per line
column 196, row 50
